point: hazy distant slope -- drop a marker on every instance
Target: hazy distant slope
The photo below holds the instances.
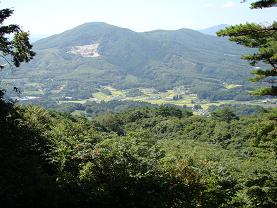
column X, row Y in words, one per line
column 126, row 59
column 212, row 30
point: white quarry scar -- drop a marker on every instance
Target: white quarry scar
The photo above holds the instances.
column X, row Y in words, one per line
column 86, row 50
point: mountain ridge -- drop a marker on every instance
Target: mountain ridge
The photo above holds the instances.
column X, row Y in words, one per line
column 126, row 59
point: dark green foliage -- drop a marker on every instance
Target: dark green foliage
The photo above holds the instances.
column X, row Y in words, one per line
column 166, row 111
column 221, row 189
column 26, row 176
column 126, row 174
column 240, row 110
column 91, row 109
column 137, row 114
column 262, row 189
column 224, row 114
column 263, row 4
column 109, row 122
column 141, row 157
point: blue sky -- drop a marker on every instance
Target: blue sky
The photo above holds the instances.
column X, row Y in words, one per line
column 47, row 17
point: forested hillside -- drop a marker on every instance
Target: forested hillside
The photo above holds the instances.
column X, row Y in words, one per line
column 143, row 157
column 77, row 62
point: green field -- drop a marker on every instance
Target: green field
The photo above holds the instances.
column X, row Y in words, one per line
column 231, row 86
column 73, row 101
column 149, row 95
column 152, row 96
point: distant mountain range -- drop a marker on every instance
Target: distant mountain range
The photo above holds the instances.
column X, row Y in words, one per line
column 79, row 60
column 212, row 30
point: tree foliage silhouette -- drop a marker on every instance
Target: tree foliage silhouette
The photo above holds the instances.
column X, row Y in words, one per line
column 264, row 38
column 17, row 49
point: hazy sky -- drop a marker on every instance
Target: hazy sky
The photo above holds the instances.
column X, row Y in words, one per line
column 46, row 17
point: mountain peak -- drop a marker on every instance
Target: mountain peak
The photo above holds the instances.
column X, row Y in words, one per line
column 95, row 24
column 84, row 34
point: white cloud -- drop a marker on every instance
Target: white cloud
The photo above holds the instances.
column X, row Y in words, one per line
column 229, row 4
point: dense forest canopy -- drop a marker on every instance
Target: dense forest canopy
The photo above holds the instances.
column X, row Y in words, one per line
column 142, row 157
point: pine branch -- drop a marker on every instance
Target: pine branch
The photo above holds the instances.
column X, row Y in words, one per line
column 249, row 29
column 264, row 4
column 265, row 39
column 4, row 14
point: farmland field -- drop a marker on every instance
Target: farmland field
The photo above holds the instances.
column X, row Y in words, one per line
column 152, row 96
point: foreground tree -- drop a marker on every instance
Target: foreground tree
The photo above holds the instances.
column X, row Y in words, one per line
column 15, row 50
column 264, row 38
column 18, row 49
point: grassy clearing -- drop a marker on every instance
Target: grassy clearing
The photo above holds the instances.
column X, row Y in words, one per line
column 73, row 101
column 33, row 92
column 115, row 92
column 162, row 101
column 32, row 84
column 160, row 98
column 150, row 96
column 231, row 86
column 102, row 97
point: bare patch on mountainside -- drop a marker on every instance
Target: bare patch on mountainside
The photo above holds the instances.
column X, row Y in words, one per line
column 86, row 50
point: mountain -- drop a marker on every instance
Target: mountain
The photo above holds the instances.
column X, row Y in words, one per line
column 78, row 61
column 36, row 37
column 212, row 30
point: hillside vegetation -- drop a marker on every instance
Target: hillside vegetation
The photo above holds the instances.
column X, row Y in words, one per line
column 143, row 157
column 79, row 61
